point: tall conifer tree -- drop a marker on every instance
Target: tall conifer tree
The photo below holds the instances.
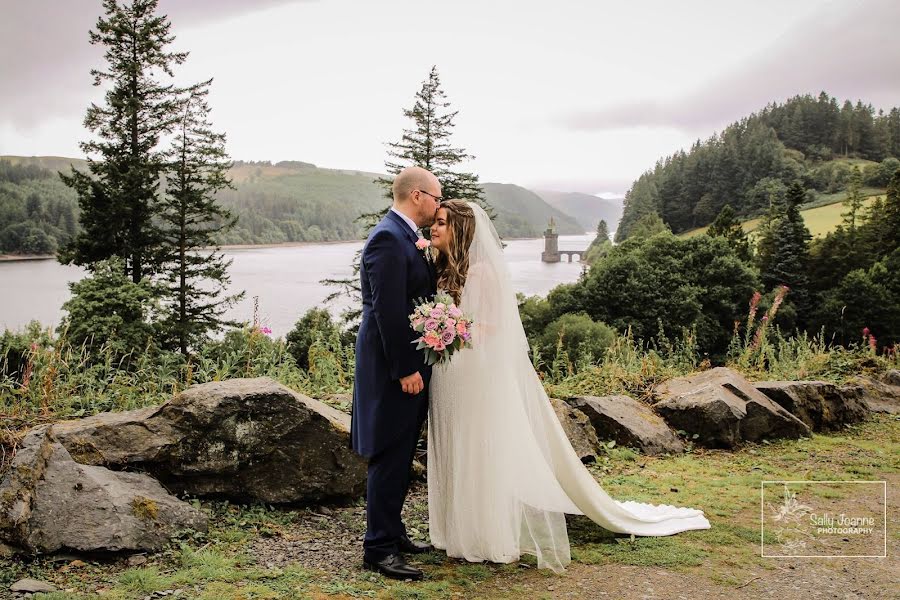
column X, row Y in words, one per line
column 118, row 196
column 427, row 144
column 194, row 278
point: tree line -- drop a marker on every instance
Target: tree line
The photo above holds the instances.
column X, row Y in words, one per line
column 805, row 139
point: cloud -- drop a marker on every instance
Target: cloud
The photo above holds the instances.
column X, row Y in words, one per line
column 851, row 52
column 47, row 56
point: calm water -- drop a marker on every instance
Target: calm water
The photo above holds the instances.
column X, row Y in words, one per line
column 286, row 280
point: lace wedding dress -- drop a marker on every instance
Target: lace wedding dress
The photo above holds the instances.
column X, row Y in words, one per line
column 501, row 471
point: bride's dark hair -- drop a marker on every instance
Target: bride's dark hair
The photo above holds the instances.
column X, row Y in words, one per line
column 453, row 265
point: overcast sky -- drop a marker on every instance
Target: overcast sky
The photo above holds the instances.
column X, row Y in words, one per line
column 568, row 95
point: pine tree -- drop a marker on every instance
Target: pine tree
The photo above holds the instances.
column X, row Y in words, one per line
column 727, row 226
column 119, row 195
column 788, row 262
column 193, row 278
column 603, row 231
column 854, row 200
column 426, row 145
column 890, row 224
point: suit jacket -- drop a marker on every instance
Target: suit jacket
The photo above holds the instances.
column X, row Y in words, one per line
column 393, row 275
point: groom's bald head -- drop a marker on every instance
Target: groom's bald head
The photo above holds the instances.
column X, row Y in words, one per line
column 411, row 179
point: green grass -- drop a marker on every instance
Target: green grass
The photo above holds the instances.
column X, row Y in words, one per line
column 820, row 219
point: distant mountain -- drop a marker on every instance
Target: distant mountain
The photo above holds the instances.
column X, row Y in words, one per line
column 289, row 201
column 524, row 213
column 589, row 210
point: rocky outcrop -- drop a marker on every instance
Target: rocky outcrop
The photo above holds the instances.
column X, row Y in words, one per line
column 629, row 422
column 48, row 502
column 881, row 396
column 822, row 406
column 723, row 409
column 244, row 439
column 578, row 429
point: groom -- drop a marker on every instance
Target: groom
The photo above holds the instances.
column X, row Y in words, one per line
column 390, row 392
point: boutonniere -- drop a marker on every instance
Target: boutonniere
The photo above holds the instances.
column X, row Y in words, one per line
column 425, row 247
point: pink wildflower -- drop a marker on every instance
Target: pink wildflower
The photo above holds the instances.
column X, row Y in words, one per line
column 266, row 330
column 872, row 343
column 865, row 332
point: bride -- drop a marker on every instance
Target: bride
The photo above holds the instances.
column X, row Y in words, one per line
column 501, row 472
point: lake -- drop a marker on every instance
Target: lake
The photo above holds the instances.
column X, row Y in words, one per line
column 285, row 279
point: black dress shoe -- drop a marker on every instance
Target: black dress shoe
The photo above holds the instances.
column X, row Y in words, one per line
column 410, row 547
column 395, row 567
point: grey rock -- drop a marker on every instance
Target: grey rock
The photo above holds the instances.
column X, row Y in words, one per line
column 879, row 396
column 244, row 439
column 629, row 422
column 32, row 586
column 822, row 406
column 578, row 429
column 48, row 502
column 723, row 409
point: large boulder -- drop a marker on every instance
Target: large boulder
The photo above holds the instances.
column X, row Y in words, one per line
column 822, row 406
column 48, row 502
column 244, row 439
column 578, row 429
column 880, row 396
column 723, row 409
column 628, row 422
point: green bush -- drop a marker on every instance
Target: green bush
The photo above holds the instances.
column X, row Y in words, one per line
column 108, row 310
column 315, row 325
column 582, row 339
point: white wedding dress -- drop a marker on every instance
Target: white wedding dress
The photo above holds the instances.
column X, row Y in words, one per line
column 501, row 471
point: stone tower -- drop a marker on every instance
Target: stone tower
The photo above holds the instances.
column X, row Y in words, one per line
column 551, row 244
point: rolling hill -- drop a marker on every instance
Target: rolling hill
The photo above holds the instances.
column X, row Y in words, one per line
column 289, row 201
column 589, row 210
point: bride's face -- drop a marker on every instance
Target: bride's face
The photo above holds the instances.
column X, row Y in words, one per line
column 440, row 232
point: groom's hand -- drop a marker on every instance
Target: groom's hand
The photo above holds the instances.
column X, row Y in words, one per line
column 412, row 384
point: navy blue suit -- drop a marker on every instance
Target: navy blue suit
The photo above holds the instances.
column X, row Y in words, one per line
column 386, row 421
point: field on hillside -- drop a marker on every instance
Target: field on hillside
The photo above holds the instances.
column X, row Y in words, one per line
column 820, row 220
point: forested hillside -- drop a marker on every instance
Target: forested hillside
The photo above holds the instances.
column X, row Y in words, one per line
column 289, row 201
column 814, row 140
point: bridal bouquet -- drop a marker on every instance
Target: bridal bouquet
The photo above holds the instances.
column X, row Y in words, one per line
column 444, row 328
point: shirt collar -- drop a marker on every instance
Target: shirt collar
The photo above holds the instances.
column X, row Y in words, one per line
column 407, row 220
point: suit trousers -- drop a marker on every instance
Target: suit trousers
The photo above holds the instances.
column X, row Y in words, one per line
column 386, row 490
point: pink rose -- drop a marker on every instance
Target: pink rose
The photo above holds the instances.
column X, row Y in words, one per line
column 431, row 339
column 431, row 324
column 455, row 312
column 448, row 336
column 461, row 328
column 422, row 244
column 439, row 347
column 451, row 323
column 437, row 313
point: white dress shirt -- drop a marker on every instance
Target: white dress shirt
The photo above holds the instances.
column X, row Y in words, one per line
column 410, row 222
